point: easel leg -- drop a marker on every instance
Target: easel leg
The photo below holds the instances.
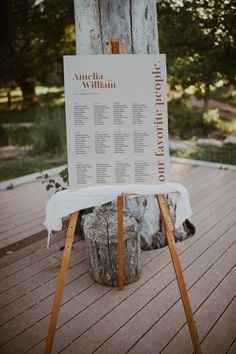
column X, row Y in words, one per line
column 115, row 47
column 168, row 226
column 120, row 206
column 60, row 282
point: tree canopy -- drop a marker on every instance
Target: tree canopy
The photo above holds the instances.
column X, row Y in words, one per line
column 199, row 37
column 34, row 36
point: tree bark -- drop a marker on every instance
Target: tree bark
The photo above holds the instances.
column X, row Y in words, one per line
column 100, row 230
column 28, row 91
column 9, row 99
column 134, row 22
column 206, row 97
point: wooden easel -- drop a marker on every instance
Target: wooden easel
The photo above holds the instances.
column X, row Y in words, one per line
column 115, row 47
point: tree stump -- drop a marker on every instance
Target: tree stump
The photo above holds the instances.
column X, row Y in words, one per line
column 100, row 230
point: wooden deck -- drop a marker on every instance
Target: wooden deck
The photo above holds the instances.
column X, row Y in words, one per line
column 147, row 316
column 22, row 215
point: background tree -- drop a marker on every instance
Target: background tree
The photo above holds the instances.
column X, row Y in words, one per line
column 199, row 38
column 34, row 36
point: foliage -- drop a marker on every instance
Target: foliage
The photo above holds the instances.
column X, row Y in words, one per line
column 14, row 131
column 25, row 115
column 64, row 175
column 211, row 118
column 198, row 37
column 4, row 137
column 186, row 122
column 225, row 154
column 34, row 36
column 19, row 113
column 49, row 131
column 51, row 183
column 16, row 135
column 224, row 94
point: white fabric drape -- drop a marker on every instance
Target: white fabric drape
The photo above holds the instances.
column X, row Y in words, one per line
column 64, row 203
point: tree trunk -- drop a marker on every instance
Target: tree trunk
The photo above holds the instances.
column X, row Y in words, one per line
column 100, row 230
column 9, row 99
column 206, row 97
column 133, row 21
column 28, row 91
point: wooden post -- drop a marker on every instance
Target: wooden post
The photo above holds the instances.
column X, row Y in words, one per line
column 60, row 282
column 168, row 226
column 134, row 22
column 120, row 235
column 115, row 47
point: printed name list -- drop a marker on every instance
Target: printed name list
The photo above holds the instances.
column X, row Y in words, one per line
column 116, row 119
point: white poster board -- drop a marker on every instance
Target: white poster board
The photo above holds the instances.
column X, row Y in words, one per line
column 116, row 118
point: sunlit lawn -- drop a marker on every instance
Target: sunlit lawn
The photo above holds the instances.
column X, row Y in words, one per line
column 225, row 154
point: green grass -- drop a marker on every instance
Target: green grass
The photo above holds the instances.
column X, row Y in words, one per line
column 225, row 154
column 45, row 138
column 15, row 168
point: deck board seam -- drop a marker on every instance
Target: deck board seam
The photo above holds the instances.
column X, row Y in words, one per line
column 147, row 280
column 199, row 307
column 165, row 250
column 59, row 326
column 51, row 255
column 48, row 296
column 38, row 244
column 231, row 345
column 234, row 297
column 151, row 299
column 225, row 190
column 156, row 295
column 48, row 280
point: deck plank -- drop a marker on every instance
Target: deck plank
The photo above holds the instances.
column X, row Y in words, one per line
column 223, row 333
column 232, row 348
column 206, row 315
column 217, row 267
column 137, row 325
column 81, row 322
column 147, row 316
column 39, row 279
column 36, row 252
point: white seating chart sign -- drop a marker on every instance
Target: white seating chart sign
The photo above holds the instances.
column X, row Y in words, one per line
column 116, row 118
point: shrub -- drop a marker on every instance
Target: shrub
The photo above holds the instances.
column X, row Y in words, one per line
column 50, row 131
column 17, row 135
column 19, row 115
column 3, row 135
column 186, row 122
column 211, row 119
